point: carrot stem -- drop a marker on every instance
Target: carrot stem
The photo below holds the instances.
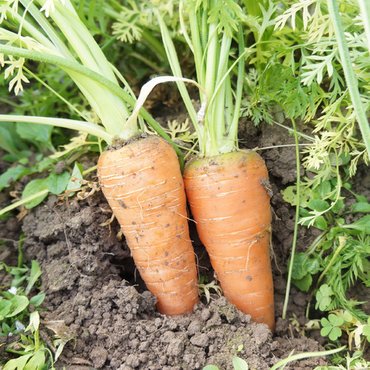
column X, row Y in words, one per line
column 295, row 233
column 349, row 73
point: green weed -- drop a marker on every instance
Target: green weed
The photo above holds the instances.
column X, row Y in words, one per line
column 20, row 321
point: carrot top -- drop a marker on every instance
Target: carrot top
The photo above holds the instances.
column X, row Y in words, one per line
column 52, row 32
column 211, row 28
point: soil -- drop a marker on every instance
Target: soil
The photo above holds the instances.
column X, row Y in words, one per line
column 96, row 299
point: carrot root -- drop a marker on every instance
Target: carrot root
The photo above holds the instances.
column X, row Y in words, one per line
column 144, row 187
column 229, row 199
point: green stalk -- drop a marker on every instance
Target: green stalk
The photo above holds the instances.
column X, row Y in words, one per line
column 295, row 233
column 69, row 66
column 300, row 356
column 176, row 70
column 111, row 110
column 212, row 121
column 90, row 128
column 365, row 17
column 232, row 139
column 212, row 60
column 82, row 42
column 220, row 99
column 43, row 22
column 23, row 201
column 196, row 46
column 331, row 262
column 349, row 73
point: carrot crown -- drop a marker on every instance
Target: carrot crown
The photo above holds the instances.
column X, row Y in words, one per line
column 210, row 29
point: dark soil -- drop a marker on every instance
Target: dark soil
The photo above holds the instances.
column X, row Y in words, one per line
column 96, row 298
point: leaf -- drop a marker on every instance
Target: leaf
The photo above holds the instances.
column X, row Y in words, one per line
column 335, row 333
column 58, row 183
column 5, row 307
column 325, row 322
column 33, row 187
column 318, row 205
column 338, row 206
column 9, row 139
column 12, row 174
column 313, row 265
column 320, row 223
column 366, row 332
column 19, row 304
column 290, row 195
column 299, row 264
column 37, row 361
column 211, row 367
column 239, row 363
column 34, row 322
column 59, row 345
column 76, row 178
column 324, row 188
column 363, row 224
column 37, row 299
column 361, row 207
column 325, row 331
column 335, row 320
column 303, row 268
column 17, row 363
column 34, row 275
column 323, row 297
column 347, row 316
column 303, row 284
column 35, row 132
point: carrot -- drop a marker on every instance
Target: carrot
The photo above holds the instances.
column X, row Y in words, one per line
column 142, row 180
column 143, row 185
column 225, row 187
column 230, row 204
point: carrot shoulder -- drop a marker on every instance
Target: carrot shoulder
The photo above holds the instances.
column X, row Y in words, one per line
column 143, row 185
column 230, row 203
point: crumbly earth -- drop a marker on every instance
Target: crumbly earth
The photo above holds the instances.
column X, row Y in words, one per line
column 96, row 299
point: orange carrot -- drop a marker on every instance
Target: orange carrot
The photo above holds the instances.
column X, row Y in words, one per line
column 229, row 200
column 144, row 187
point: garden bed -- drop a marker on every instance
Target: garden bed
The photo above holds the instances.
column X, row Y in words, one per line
column 95, row 298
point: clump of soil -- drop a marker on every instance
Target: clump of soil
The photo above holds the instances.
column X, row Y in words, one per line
column 116, row 327
column 95, row 294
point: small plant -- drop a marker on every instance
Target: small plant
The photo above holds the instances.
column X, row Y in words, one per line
column 20, row 322
column 354, row 361
column 206, row 288
column 331, row 326
column 339, row 255
column 238, row 364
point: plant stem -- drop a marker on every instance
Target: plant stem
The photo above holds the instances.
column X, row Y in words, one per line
column 301, row 356
column 295, row 233
column 342, row 244
column 88, row 127
column 349, row 74
column 20, row 251
column 176, row 70
column 69, row 65
column 23, row 201
column 365, row 17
